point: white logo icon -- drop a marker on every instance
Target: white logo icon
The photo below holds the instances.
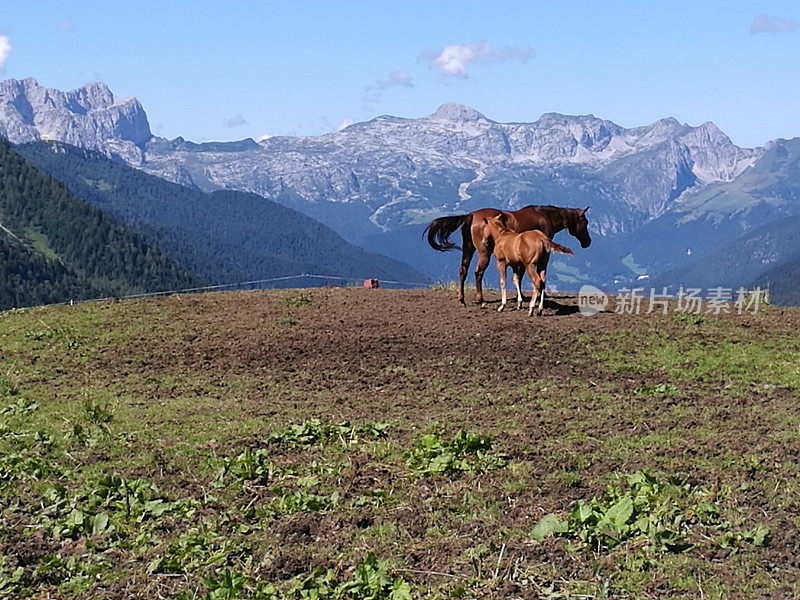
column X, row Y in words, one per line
column 591, row 300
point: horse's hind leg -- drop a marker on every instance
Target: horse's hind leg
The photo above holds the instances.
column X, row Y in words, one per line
column 466, row 257
column 543, row 278
column 518, row 272
column 542, row 267
column 537, row 287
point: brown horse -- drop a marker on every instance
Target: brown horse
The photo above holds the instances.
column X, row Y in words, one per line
column 475, row 236
column 527, row 251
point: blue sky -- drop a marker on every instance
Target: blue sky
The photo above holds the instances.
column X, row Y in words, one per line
column 214, row 70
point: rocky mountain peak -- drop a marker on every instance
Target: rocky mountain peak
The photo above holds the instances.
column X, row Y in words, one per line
column 457, row 113
column 88, row 117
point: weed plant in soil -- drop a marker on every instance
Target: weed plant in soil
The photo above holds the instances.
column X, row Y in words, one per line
column 349, row 443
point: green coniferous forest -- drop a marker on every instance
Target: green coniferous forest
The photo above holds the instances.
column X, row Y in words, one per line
column 223, row 236
column 55, row 247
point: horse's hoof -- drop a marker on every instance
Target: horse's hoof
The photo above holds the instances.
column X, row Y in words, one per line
column 500, row 309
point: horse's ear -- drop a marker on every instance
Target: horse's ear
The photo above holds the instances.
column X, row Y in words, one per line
column 485, row 222
column 583, row 212
column 501, row 218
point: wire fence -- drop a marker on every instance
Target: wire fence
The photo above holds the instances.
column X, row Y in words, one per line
column 308, row 280
column 305, row 279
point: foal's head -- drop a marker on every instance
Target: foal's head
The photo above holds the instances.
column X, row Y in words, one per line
column 578, row 226
column 497, row 224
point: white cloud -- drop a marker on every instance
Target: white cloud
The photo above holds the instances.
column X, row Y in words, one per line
column 5, row 48
column 65, row 25
column 373, row 93
column 345, row 123
column 767, row 24
column 233, row 122
column 264, row 137
column 400, row 78
column 454, row 60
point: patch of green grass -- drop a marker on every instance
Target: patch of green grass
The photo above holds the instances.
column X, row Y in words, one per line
column 40, row 242
column 297, row 300
column 100, row 184
column 735, row 356
column 466, row 452
column 659, row 389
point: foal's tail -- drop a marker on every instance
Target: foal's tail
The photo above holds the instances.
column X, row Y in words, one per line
column 442, row 228
column 553, row 247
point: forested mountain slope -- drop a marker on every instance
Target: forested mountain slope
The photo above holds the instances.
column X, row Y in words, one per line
column 223, row 236
column 56, row 247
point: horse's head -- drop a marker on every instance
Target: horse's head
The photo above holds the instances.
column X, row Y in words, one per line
column 498, row 222
column 578, row 227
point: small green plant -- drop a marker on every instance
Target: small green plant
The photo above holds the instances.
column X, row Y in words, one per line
column 111, row 505
column 227, row 585
column 303, row 499
column 7, row 389
column 25, row 455
column 231, row 585
column 661, row 389
column 659, row 514
column 689, row 318
column 372, row 498
column 250, row 465
column 371, row 580
column 98, row 413
column 65, row 335
column 316, row 432
column 286, row 322
column 298, row 300
column 466, row 452
column 18, row 408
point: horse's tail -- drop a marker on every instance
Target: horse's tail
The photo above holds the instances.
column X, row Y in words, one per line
column 553, row 247
column 439, row 230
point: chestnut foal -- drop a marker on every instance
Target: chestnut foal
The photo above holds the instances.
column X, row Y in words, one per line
column 527, row 251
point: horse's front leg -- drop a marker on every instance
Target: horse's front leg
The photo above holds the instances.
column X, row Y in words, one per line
column 483, row 261
column 501, row 271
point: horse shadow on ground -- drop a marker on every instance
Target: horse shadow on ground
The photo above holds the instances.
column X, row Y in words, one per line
column 549, row 304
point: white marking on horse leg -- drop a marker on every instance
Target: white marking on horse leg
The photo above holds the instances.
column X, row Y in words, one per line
column 535, row 292
column 518, row 285
column 502, row 272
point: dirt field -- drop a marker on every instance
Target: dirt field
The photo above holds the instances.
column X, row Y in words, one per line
column 197, row 396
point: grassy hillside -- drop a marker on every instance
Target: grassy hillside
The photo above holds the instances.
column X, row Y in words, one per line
column 349, row 443
column 223, row 236
column 56, row 247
